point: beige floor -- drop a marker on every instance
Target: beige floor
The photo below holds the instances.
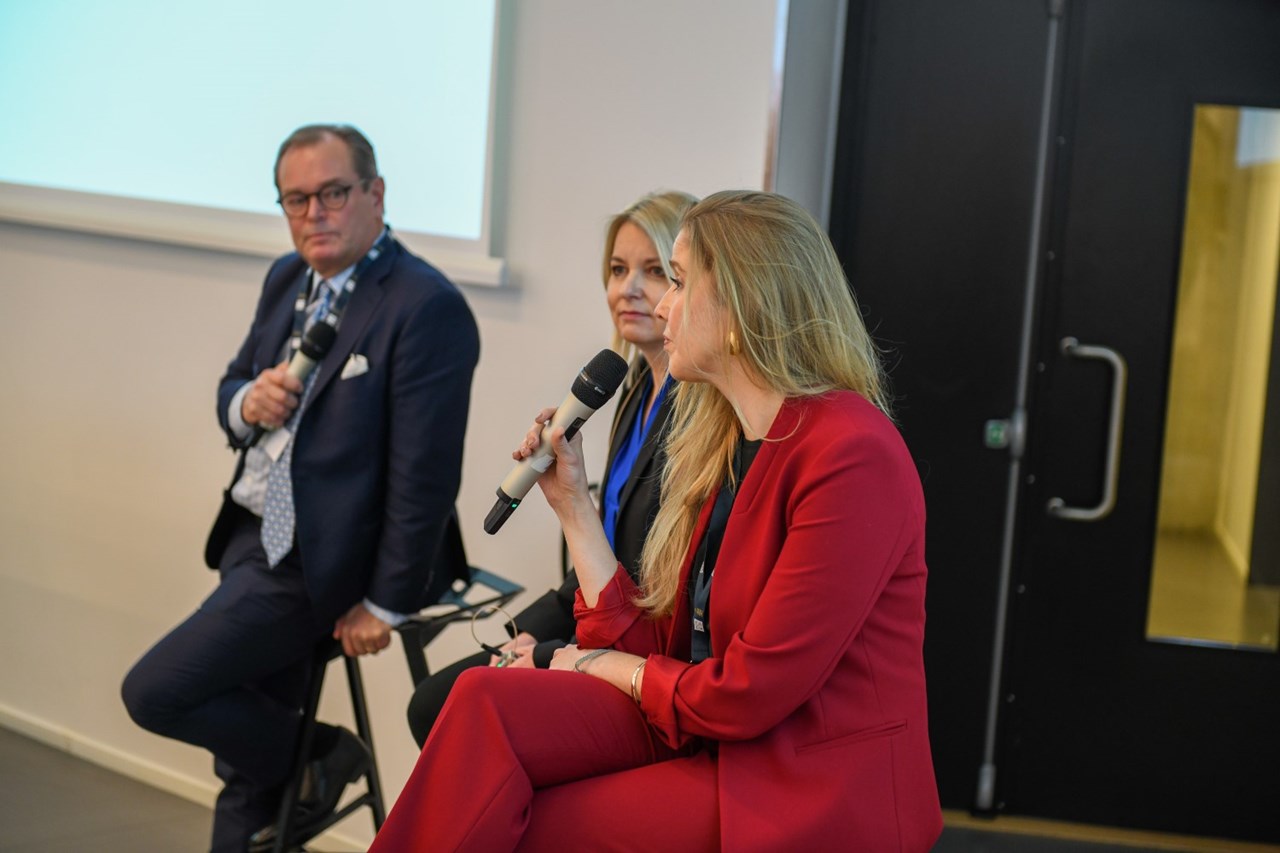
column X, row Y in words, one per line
column 1198, row 596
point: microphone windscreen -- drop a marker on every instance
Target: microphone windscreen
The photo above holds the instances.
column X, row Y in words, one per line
column 600, row 378
column 317, row 341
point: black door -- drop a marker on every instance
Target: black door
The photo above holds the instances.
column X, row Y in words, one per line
column 1054, row 690
column 931, row 204
column 1107, row 721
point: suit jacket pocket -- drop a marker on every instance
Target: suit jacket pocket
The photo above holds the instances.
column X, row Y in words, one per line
column 883, row 730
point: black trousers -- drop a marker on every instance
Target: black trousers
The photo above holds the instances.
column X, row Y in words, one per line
column 429, row 696
column 231, row 678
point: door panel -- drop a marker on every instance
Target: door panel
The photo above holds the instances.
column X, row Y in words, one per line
column 932, row 207
column 1103, row 725
column 931, row 204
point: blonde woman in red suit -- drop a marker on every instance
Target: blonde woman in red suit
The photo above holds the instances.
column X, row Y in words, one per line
column 762, row 688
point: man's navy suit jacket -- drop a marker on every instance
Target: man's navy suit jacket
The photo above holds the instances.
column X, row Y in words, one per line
column 377, row 457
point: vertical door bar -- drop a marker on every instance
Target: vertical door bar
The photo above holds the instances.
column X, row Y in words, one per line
column 985, row 798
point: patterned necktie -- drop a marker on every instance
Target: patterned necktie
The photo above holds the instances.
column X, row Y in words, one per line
column 277, row 512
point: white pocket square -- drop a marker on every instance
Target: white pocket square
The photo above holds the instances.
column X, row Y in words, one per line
column 356, row 365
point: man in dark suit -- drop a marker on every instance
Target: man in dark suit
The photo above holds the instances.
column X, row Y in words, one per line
column 340, row 519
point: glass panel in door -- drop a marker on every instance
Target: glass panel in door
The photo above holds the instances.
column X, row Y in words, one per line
column 1215, row 580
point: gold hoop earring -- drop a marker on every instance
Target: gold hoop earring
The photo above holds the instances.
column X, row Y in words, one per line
column 734, row 349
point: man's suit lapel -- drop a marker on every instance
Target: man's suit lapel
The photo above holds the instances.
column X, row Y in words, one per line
column 360, row 310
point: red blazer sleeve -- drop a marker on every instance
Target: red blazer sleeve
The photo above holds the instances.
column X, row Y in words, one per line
column 616, row 622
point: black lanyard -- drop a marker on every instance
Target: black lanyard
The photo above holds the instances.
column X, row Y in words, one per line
column 709, row 551
column 333, row 313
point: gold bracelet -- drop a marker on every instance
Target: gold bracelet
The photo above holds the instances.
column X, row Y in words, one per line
column 635, row 675
column 577, row 665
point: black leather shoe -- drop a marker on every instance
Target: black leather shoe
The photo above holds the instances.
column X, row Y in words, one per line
column 323, row 782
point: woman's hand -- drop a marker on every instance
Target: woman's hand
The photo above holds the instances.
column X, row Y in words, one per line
column 624, row 671
column 566, row 480
column 533, row 438
column 564, row 485
column 522, row 647
column 566, row 656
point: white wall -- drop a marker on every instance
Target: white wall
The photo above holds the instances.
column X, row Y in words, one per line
column 110, row 350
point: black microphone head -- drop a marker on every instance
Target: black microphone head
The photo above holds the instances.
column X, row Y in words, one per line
column 600, row 378
column 318, row 340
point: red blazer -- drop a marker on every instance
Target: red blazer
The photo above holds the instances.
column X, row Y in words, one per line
column 815, row 690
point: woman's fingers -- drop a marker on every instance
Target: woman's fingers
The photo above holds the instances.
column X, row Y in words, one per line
column 533, row 437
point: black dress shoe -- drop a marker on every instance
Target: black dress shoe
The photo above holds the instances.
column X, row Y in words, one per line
column 323, row 781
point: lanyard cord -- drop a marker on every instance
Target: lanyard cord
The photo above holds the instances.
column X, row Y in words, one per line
column 333, row 313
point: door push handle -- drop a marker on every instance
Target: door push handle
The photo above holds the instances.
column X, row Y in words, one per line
column 1057, row 507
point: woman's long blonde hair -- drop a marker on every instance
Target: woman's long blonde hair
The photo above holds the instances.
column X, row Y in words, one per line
column 790, row 315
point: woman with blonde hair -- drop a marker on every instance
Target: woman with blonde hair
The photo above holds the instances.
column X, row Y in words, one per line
column 762, row 686
column 637, row 261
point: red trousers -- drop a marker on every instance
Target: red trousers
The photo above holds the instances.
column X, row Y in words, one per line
column 549, row 760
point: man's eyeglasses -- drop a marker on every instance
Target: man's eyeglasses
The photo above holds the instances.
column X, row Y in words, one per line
column 332, row 197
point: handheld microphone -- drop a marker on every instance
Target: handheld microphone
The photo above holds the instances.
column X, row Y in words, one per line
column 314, row 347
column 592, row 389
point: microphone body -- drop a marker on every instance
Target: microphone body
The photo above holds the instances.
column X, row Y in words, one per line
column 593, row 388
column 315, row 345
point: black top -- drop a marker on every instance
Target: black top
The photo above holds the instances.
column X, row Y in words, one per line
column 704, row 561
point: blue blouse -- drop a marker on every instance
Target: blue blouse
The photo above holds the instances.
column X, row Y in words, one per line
column 628, row 452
